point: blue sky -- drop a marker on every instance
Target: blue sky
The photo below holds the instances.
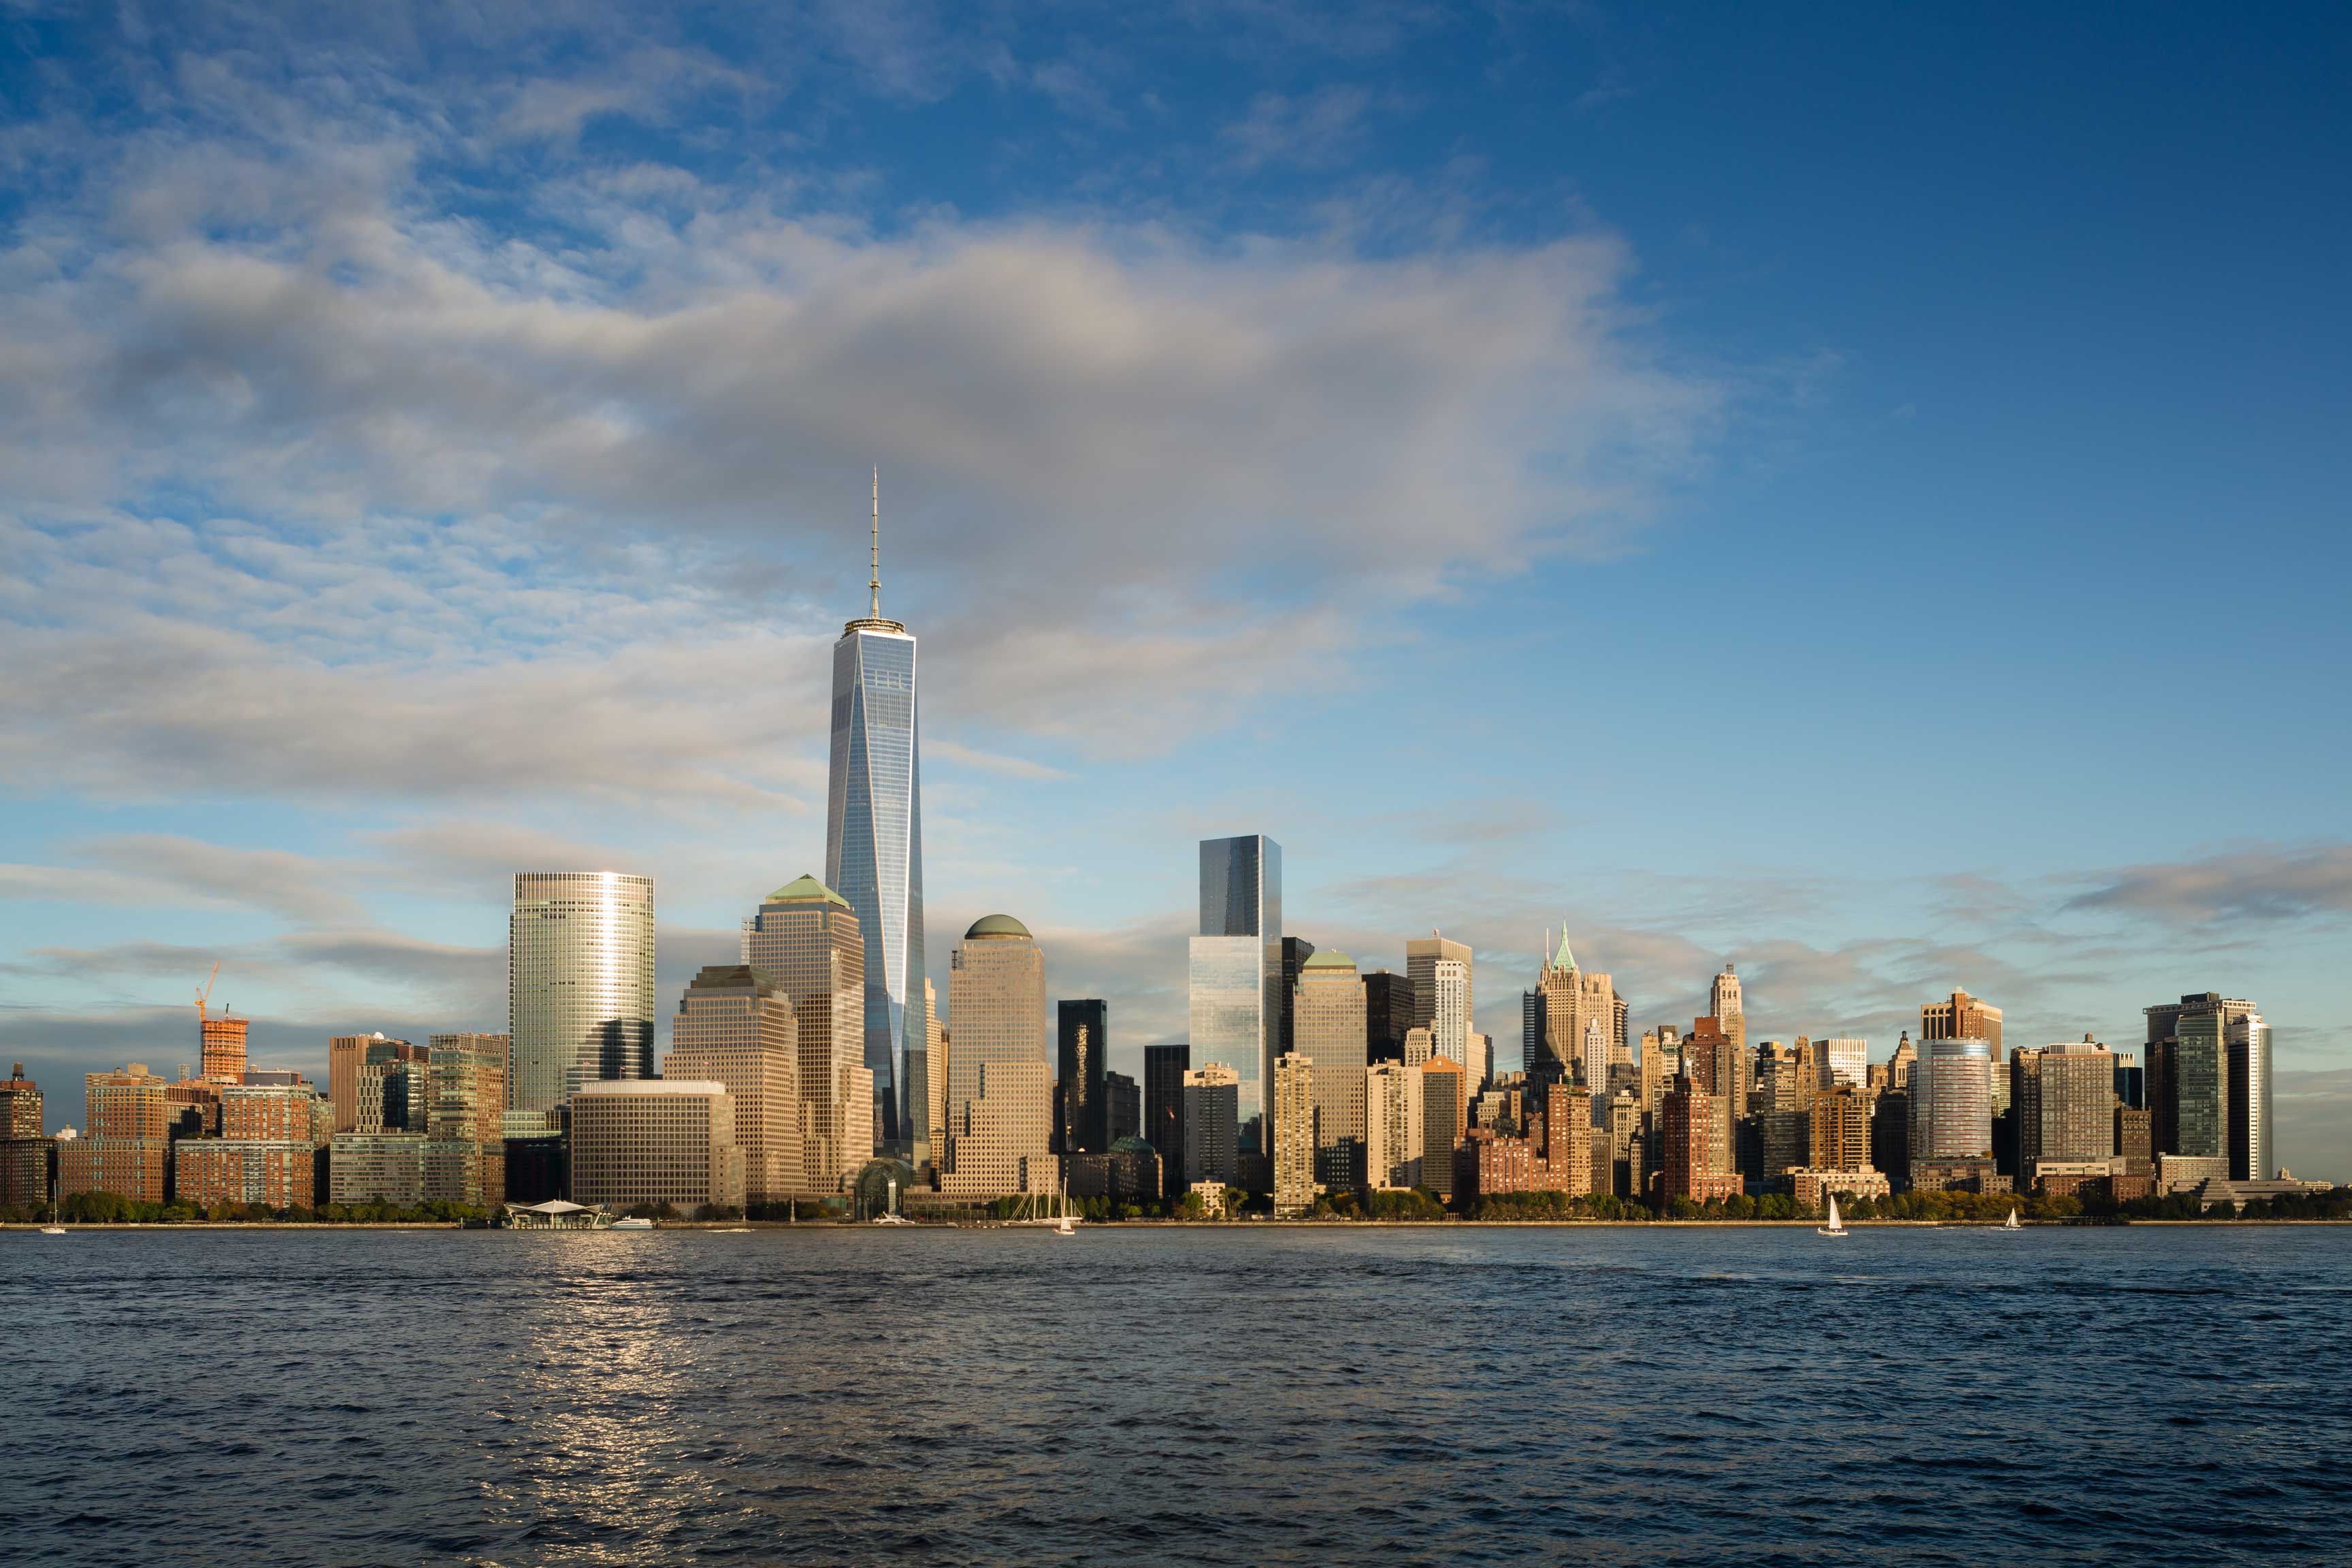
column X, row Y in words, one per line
column 1857, row 493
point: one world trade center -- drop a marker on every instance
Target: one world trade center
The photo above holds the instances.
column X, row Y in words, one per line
column 873, row 840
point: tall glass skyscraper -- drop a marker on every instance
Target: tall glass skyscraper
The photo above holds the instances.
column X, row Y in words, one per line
column 579, row 984
column 1236, row 972
column 874, row 839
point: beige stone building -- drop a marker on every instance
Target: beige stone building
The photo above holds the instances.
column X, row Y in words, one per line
column 805, row 939
column 1000, row 1100
column 1328, row 1028
column 656, row 1141
column 1576, row 1004
column 735, row 1026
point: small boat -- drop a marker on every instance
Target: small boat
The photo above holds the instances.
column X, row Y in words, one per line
column 1066, row 1225
column 2011, row 1222
column 1836, row 1227
column 53, row 1230
column 634, row 1222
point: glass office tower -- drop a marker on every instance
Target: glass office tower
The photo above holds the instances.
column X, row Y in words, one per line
column 579, row 984
column 873, row 840
column 1236, row 972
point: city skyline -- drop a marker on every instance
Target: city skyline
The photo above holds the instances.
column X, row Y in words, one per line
column 1290, row 423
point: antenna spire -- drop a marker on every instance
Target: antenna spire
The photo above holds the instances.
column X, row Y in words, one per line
column 875, row 584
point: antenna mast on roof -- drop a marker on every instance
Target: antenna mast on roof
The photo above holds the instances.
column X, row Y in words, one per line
column 875, row 584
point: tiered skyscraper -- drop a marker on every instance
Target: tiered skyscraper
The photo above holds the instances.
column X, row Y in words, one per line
column 874, row 841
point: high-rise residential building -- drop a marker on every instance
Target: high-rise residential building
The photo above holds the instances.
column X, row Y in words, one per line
column 1296, row 952
column 1840, row 1130
column 579, row 984
column 1621, row 1120
column 1443, row 999
column 1084, row 1036
column 668, row 1141
column 1568, row 1143
column 1328, row 1013
column 468, row 1088
column 267, row 1154
column 807, row 940
column 2253, row 1152
column 1890, row 1136
column 1686, row 1164
column 125, row 1142
column 1294, row 1136
column 20, row 1106
column 395, row 1086
column 1582, row 1024
column 874, row 837
column 1444, row 1111
column 1393, row 1138
column 345, row 1054
column 1236, row 971
column 1164, row 1068
column 1123, row 1106
column 1950, row 1100
column 2063, row 1099
column 1212, row 1113
column 1000, row 1093
column 222, row 1045
column 1711, row 1056
column 24, row 1144
column 735, row 1027
column 1388, row 1014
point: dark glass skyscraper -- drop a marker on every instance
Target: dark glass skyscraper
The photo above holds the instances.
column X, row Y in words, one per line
column 1164, row 1068
column 873, row 840
column 1085, row 1038
column 1388, row 1015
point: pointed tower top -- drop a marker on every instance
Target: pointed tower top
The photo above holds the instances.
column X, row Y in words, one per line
column 874, row 621
column 1566, row 960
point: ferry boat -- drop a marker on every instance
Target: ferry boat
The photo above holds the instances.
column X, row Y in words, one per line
column 633, row 1222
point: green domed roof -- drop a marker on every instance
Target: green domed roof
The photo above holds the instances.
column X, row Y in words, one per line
column 1131, row 1144
column 1329, row 958
column 803, row 891
column 995, row 925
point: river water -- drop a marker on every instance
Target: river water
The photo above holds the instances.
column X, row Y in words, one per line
column 1239, row 1396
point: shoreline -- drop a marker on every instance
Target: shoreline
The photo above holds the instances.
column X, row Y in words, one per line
column 724, row 1227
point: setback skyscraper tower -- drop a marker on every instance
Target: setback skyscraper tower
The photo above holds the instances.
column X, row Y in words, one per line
column 874, row 837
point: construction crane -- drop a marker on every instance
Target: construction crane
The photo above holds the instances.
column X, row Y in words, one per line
column 206, row 994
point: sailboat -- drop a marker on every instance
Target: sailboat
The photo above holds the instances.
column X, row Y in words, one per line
column 1836, row 1227
column 2011, row 1222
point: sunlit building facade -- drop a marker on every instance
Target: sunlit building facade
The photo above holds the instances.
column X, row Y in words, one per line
column 579, row 984
column 669, row 1141
column 808, row 940
column 1000, row 1129
column 874, row 841
column 734, row 1027
column 1327, row 1030
column 1236, row 980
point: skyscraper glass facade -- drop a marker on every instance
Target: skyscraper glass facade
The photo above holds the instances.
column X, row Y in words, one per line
column 579, row 984
column 1236, row 972
column 874, row 847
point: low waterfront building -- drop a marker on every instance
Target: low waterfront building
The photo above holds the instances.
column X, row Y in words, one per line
column 1957, row 1175
column 654, row 1142
column 1128, row 1173
column 276, row 1174
column 1812, row 1186
column 399, row 1170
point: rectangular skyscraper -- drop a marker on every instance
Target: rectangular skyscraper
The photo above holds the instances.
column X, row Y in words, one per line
column 874, row 838
column 1083, row 1039
column 1236, row 973
column 579, row 984
column 1164, row 1068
